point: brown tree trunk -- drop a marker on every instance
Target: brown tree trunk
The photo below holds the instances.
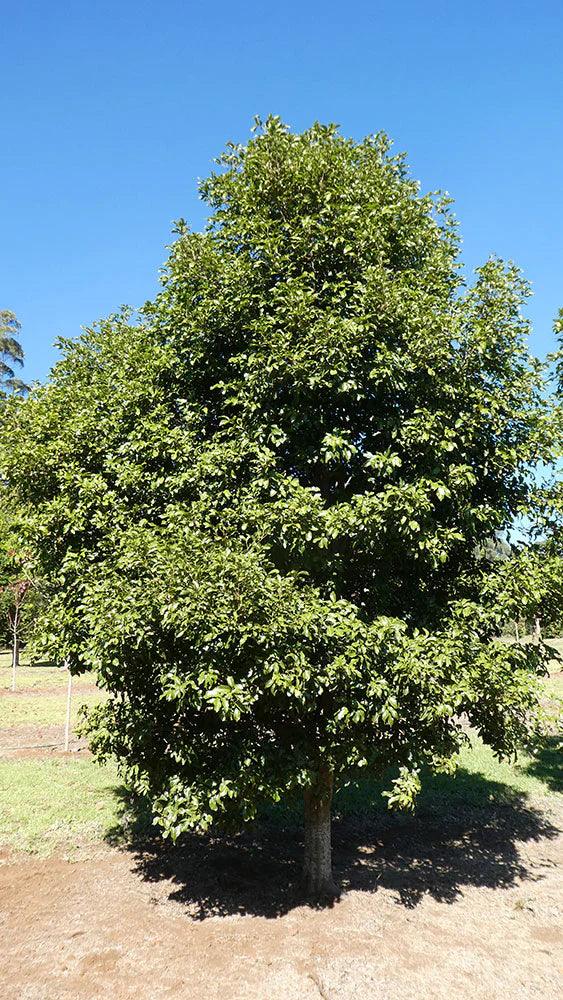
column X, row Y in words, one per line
column 317, row 862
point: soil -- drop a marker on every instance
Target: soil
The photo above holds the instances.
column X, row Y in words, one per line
column 32, row 692
column 470, row 908
column 53, row 692
column 37, row 741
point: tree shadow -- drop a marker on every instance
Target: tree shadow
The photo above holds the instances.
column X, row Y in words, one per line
column 445, row 847
column 547, row 763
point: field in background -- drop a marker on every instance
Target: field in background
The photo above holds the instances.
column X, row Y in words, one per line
column 48, row 797
column 36, row 676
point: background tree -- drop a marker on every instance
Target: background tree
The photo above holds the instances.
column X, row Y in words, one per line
column 19, row 597
column 262, row 504
column 11, row 353
column 14, row 585
column 548, row 543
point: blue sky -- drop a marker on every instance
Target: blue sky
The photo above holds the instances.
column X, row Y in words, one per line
column 111, row 111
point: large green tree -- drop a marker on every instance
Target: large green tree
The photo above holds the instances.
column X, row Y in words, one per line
column 263, row 503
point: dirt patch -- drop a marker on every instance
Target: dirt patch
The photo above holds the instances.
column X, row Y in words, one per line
column 51, row 692
column 37, row 741
column 468, row 910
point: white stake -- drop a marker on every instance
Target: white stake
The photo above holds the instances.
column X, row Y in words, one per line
column 15, row 650
column 68, row 697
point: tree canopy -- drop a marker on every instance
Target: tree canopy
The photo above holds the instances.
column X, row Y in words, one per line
column 264, row 502
column 11, row 353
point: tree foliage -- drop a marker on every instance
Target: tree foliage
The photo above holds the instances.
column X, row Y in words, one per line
column 264, row 501
column 11, row 354
column 548, row 542
column 19, row 596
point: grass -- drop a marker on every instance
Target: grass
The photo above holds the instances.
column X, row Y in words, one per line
column 46, row 804
column 46, row 710
column 39, row 677
column 49, row 803
column 528, row 775
column 480, row 782
column 26, row 706
column 557, row 645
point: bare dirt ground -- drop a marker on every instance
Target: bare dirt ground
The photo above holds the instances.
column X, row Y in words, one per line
column 34, row 692
column 37, row 741
column 470, row 908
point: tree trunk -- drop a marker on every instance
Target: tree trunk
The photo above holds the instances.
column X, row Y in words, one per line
column 537, row 628
column 317, row 863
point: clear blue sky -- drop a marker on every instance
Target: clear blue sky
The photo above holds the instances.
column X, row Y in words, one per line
column 111, row 111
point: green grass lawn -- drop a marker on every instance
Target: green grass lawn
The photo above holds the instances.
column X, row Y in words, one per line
column 557, row 645
column 42, row 710
column 66, row 801
column 34, row 678
column 480, row 782
column 59, row 802
column 40, row 676
column 26, row 707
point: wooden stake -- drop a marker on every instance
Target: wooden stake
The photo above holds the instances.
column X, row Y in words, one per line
column 68, row 698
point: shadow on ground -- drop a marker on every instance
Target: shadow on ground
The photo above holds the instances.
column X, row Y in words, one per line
column 445, row 847
column 547, row 764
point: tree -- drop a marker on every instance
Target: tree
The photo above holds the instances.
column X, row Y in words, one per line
column 262, row 504
column 14, row 585
column 11, row 353
column 548, row 543
column 18, row 596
